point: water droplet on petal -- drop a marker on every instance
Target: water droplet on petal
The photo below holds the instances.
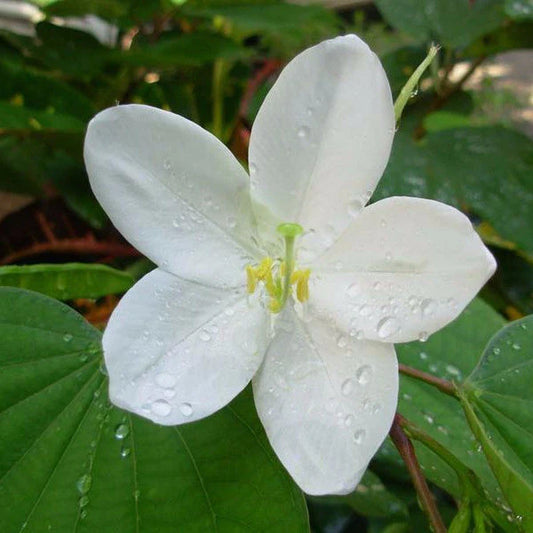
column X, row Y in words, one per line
column 347, row 386
column 349, row 420
column 342, row 341
column 303, row 132
column 423, row 336
column 161, row 408
column 167, row 164
column 387, row 326
column 232, row 222
column 428, row 307
column 359, row 436
column 204, row 335
column 166, row 381
column 363, row 374
column 353, row 290
column 186, row 409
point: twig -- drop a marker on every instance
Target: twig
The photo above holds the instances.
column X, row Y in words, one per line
column 407, row 451
column 80, row 246
column 442, row 384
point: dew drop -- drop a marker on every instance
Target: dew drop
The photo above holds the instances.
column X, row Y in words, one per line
column 453, row 370
column 428, row 307
column 83, row 501
column 125, row 452
column 121, row 431
column 387, row 326
column 359, row 436
column 349, row 420
column 176, row 223
column 166, row 164
column 67, row 337
column 166, row 381
column 342, row 341
column 186, row 409
column 388, row 257
column 303, row 132
column 355, row 206
column 363, row 374
column 383, row 223
column 516, row 346
column 231, row 221
column 229, row 311
column 84, row 483
column 253, row 169
column 204, row 335
column 347, row 386
column 161, row 408
column 365, row 310
column 353, row 290
column 423, row 336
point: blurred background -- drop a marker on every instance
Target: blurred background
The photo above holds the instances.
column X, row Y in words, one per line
column 464, row 139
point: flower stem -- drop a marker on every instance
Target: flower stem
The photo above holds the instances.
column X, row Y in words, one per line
column 407, row 451
column 218, row 98
column 445, row 386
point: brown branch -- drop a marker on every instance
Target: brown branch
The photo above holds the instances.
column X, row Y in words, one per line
column 407, row 451
column 445, row 386
column 269, row 67
column 80, row 246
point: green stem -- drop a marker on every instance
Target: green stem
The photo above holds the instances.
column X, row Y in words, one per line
column 412, row 82
column 218, row 98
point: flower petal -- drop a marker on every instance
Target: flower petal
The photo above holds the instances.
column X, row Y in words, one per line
column 176, row 351
column 173, row 190
column 405, row 268
column 326, row 401
column 322, row 138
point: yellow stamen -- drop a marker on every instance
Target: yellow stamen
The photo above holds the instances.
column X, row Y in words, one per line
column 251, row 279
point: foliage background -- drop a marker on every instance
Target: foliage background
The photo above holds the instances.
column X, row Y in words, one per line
column 68, row 460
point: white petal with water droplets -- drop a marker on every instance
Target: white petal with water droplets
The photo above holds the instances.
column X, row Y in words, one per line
column 174, row 191
column 405, row 268
column 326, row 401
column 176, row 351
column 322, row 138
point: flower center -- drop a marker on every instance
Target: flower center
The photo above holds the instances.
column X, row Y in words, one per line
column 279, row 276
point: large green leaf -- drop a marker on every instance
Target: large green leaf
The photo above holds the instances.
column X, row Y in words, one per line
column 67, row 281
column 69, row 461
column 268, row 16
column 42, row 92
column 451, row 354
column 184, row 49
column 498, row 401
column 487, row 171
column 450, row 22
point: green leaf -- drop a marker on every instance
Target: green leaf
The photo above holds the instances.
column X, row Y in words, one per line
column 445, row 120
column 67, row 281
column 82, row 465
column 42, row 92
column 371, row 498
column 109, row 9
column 276, row 17
column 184, row 49
column 498, row 401
column 449, row 22
column 20, row 119
column 451, row 354
column 484, row 170
column 72, row 52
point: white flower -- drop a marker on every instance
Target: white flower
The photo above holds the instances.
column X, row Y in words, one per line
column 188, row 337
